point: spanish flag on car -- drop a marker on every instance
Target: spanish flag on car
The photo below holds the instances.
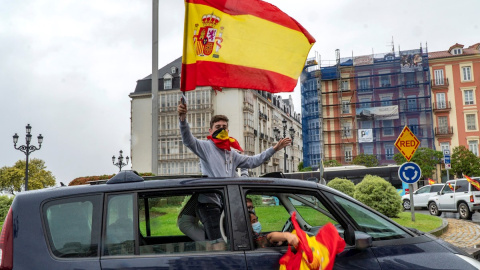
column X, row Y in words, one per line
column 247, row 44
column 313, row 252
column 473, row 182
column 431, row 181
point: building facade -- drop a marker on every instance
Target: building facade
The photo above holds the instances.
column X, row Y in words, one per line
column 455, row 77
column 253, row 117
column 362, row 105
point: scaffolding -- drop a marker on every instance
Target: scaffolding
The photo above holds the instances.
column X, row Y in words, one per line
column 364, row 102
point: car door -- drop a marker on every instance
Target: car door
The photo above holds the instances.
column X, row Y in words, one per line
column 421, row 196
column 143, row 231
column 312, row 212
column 446, row 198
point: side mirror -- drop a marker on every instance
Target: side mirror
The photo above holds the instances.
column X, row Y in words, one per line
column 362, row 240
column 349, row 236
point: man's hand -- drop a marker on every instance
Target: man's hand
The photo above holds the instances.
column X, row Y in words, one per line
column 282, row 144
column 182, row 111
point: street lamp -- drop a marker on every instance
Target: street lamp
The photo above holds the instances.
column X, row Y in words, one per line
column 277, row 132
column 120, row 163
column 27, row 149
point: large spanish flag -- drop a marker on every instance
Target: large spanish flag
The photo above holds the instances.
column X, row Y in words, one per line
column 246, row 44
column 313, row 252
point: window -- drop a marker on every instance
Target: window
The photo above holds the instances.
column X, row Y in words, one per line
column 364, row 103
column 120, row 238
column 344, row 85
column 438, row 74
column 468, row 97
column 173, row 70
column 368, row 149
column 444, row 146
column 471, row 121
column 410, row 79
column 346, row 129
column 387, row 127
column 376, row 226
column 345, row 106
column 389, row 151
column 386, row 101
column 457, row 51
column 466, row 73
column 461, row 186
column 363, row 83
column 348, row 154
column 412, row 103
column 473, row 146
column 73, row 226
column 413, row 126
column 443, row 125
column 161, row 233
column 272, row 211
column 441, row 101
column 167, row 83
column 385, row 80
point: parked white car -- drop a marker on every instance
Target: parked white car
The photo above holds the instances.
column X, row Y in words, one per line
column 421, row 196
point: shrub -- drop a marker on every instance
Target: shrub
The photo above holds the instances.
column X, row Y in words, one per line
column 343, row 185
column 331, row 163
column 379, row 194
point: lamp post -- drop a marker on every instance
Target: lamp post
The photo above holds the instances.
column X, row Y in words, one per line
column 120, row 163
column 27, row 149
column 277, row 132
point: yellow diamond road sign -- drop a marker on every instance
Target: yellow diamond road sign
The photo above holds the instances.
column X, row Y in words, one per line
column 407, row 143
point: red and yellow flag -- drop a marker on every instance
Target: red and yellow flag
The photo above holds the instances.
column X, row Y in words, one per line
column 246, row 44
column 431, row 181
column 223, row 141
column 473, row 182
column 313, row 252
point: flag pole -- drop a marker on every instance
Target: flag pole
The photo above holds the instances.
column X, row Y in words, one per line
column 155, row 87
column 184, row 62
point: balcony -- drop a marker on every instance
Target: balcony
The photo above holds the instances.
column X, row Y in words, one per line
column 441, row 106
column 439, row 83
column 444, row 131
column 276, row 161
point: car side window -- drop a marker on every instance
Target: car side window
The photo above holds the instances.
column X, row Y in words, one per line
column 423, row 190
column 275, row 217
column 73, row 226
column 119, row 230
column 462, row 186
column 369, row 222
column 172, row 223
column 436, row 188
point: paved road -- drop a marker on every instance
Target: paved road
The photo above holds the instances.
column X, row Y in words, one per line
column 475, row 216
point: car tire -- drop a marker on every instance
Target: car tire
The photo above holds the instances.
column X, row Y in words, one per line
column 433, row 209
column 464, row 211
column 406, row 204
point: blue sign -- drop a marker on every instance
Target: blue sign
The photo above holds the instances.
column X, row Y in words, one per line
column 409, row 172
column 446, row 159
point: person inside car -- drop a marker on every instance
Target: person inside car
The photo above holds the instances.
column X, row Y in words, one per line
column 270, row 239
column 218, row 160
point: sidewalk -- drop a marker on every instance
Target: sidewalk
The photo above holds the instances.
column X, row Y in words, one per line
column 461, row 233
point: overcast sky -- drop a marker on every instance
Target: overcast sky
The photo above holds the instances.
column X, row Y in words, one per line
column 67, row 67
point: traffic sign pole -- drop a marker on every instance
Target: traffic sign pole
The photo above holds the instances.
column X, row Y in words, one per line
column 410, row 172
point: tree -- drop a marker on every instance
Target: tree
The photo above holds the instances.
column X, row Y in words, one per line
column 464, row 162
column 426, row 158
column 366, row 160
column 12, row 179
column 379, row 194
column 343, row 185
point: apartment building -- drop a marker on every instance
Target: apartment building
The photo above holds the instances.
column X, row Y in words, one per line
column 455, row 77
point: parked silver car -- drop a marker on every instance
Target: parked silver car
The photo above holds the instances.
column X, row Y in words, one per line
column 421, row 196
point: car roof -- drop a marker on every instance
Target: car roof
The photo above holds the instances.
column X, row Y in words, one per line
column 164, row 183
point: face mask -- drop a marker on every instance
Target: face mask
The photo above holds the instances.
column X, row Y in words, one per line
column 257, row 227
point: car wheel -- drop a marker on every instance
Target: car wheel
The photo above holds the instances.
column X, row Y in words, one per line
column 432, row 207
column 406, row 204
column 463, row 211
